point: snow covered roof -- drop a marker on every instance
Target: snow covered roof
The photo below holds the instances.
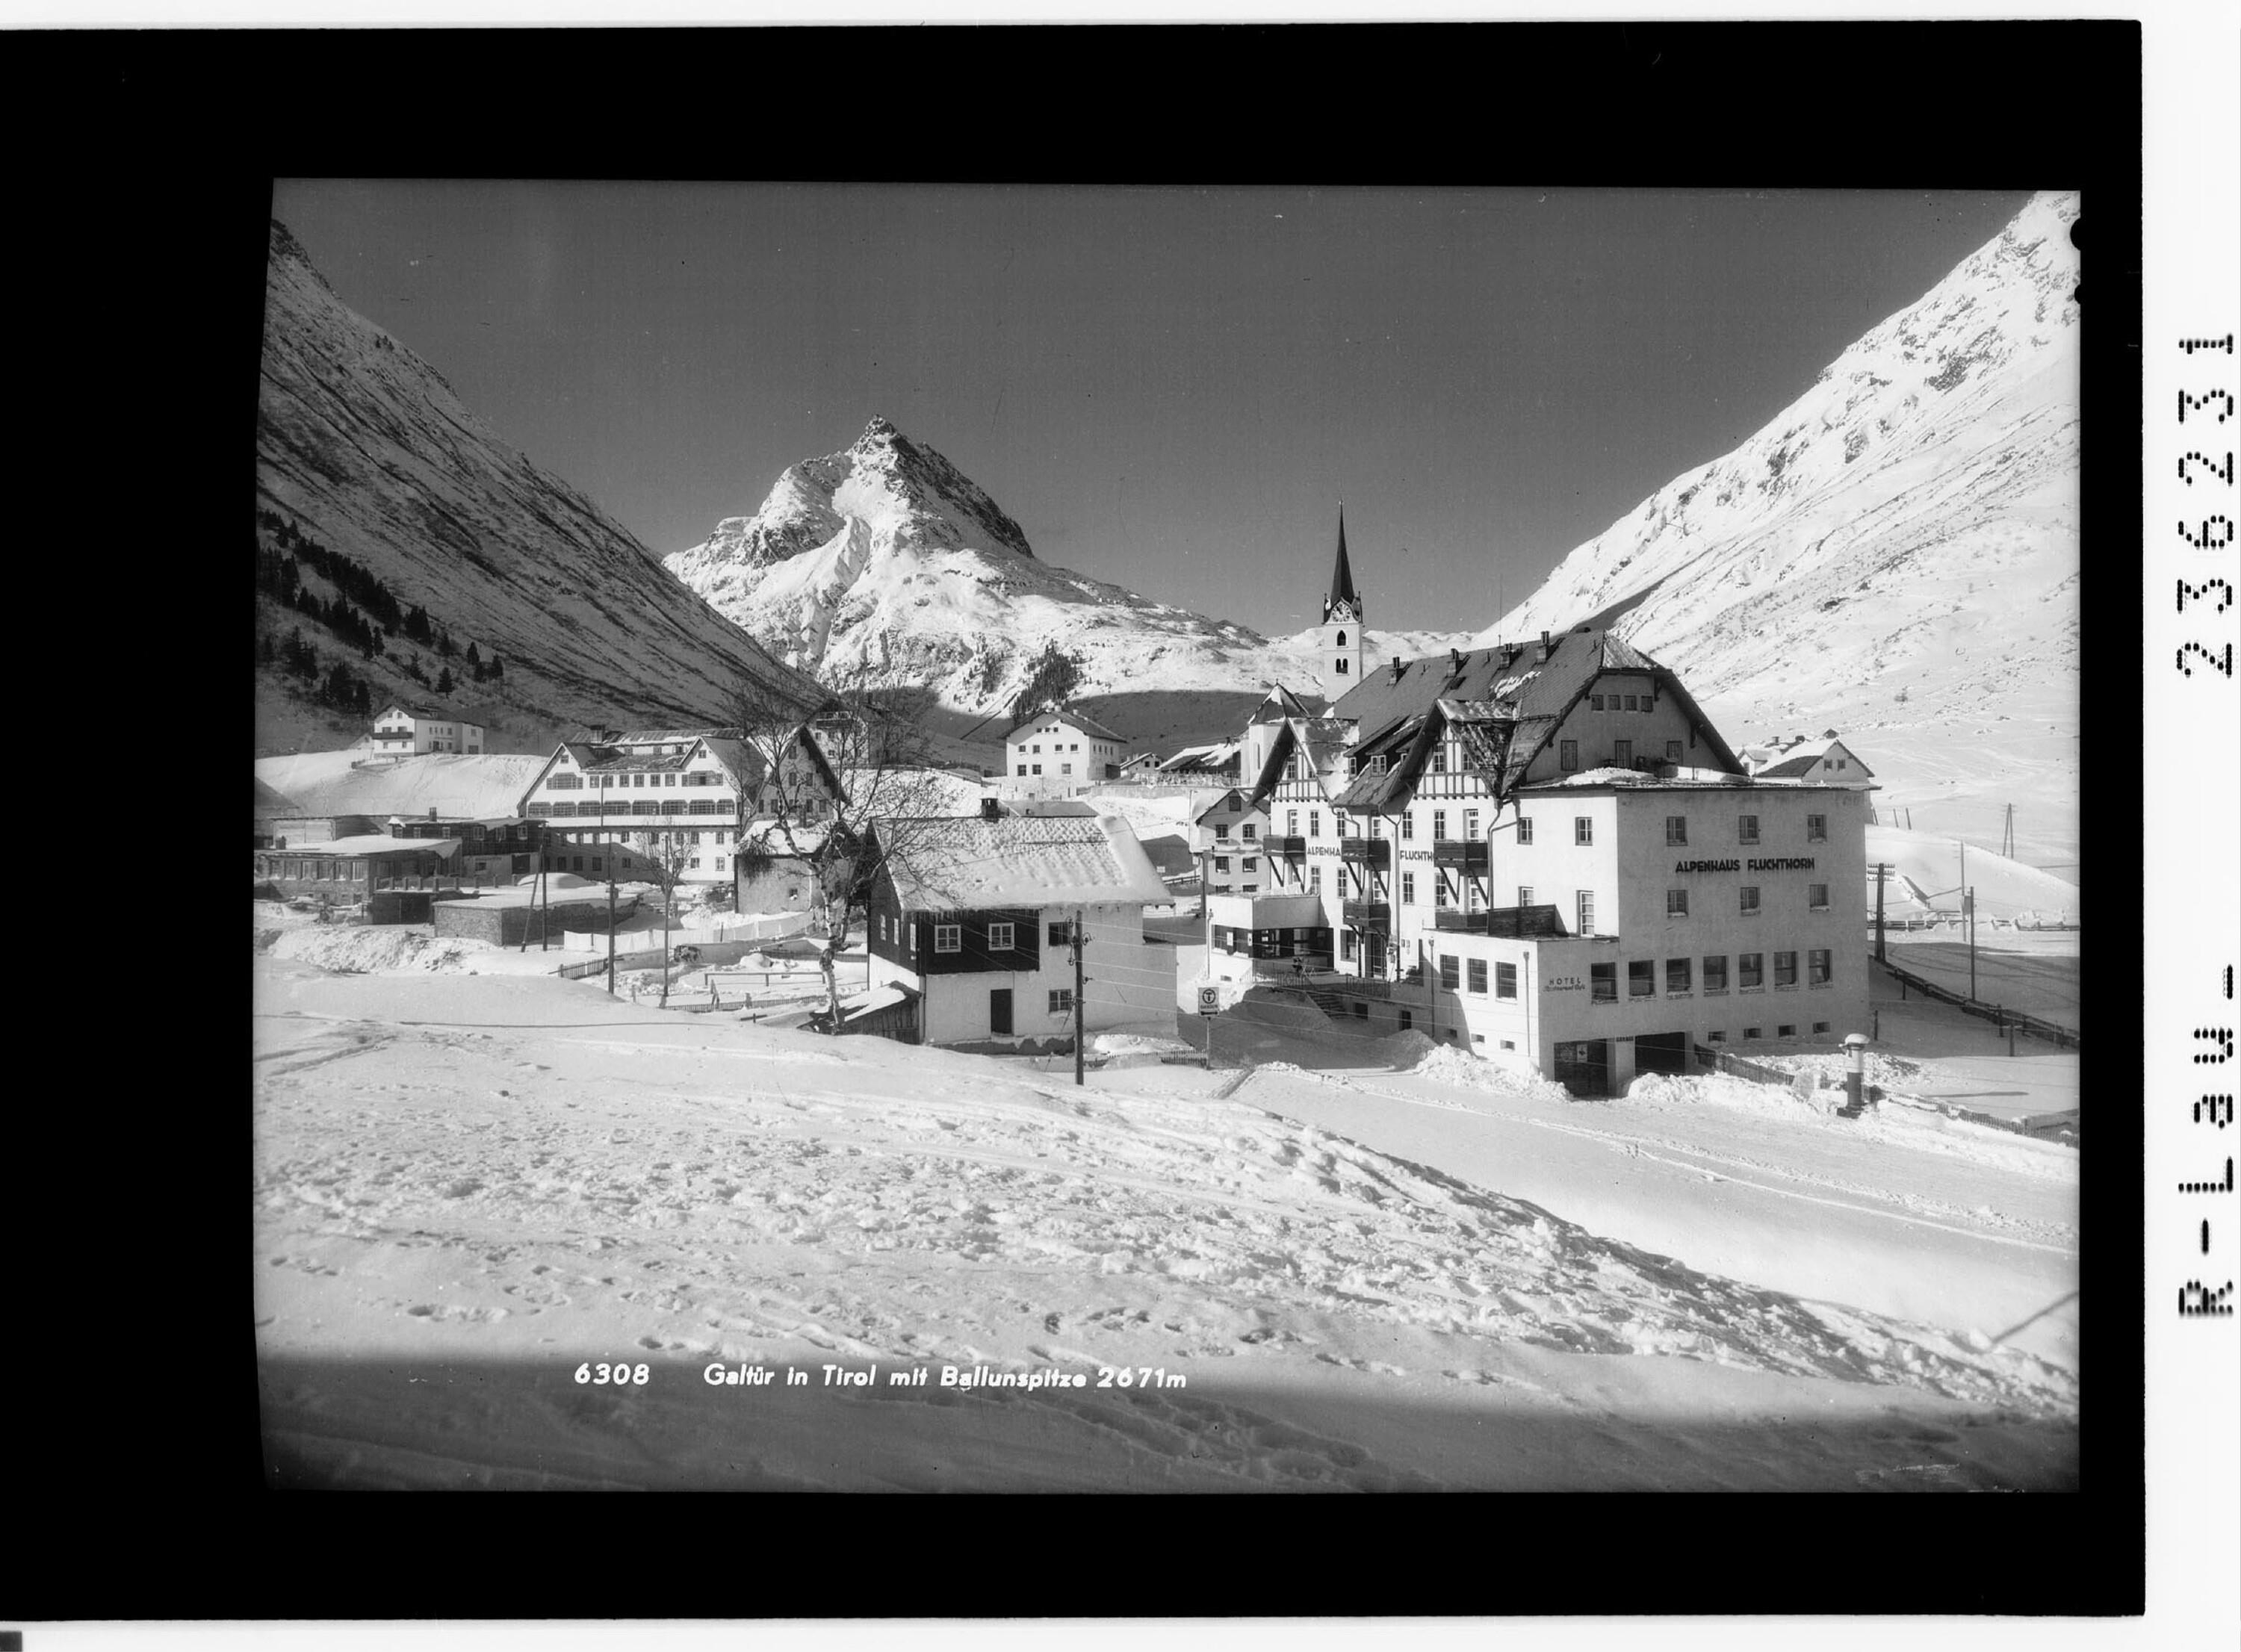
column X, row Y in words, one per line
column 859, row 1005
column 1171, row 856
column 1081, row 720
column 1016, row 860
column 457, row 786
column 1803, row 757
column 428, row 710
column 378, row 843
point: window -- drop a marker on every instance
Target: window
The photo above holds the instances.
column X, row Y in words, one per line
column 1061, row 999
column 1750, row 970
column 1789, row 1030
column 1716, row 1037
column 999, row 938
column 1595, row 702
column 1314, row 880
column 1252, row 831
column 945, row 938
column 1470, row 826
column 696, row 863
column 1036, row 767
column 1785, row 969
column 1817, row 966
column 1439, row 826
column 1221, row 863
column 1251, row 863
column 1631, row 703
column 1341, row 664
column 1477, row 976
column 1524, row 829
column 1346, row 945
column 1524, row 894
column 1376, row 826
column 1749, row 895
column 1584, row 828
column 1716, row 974
column 1642, row 978
column 1450, row 972
column 1603, row 983
column 1567, row 754
column 1505, row 980
column 1022, row 768
column 1623, row 750
column 1817, row 828
column 1037, row 749
column 1407, row 888
column 1439, row 759
column 1821, row 1026
column 1747, row 828
column 1672, row 751
column 1585, row 901
column 1407, row 1019
column 1222, row 831
column 1291, row 823
column 1676, row 903
column 596, row 865
column 1750, row 1032
column 1677, row 975
column 1065, row 768
column 1816, row 896
column 1676, row 829
column 1314, row 823
column 1057, row 935
column 1408, row 824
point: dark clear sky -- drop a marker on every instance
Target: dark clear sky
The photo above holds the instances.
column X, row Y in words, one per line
column 1169, row 389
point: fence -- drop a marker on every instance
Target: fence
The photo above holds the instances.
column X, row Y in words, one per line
column 777, row 927
column 2000, row 1017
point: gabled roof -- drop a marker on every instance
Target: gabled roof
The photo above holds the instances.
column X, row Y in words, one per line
column 375, row 846
column 427, row 711
column 1081, row 720
column 966, row 863
column 1171, row 856
column 1803, row 757
column 1529, row 697
column 1321, row 738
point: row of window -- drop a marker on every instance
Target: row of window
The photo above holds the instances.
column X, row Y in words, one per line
column 1250, row 834
column 1647, row 703
column 1002, row 938
column 624, row 782
column 1677, row 901
column 721, row 837
column 1786, row 1030
column 633, row 806
column 1583, row 827
column 1680, row 974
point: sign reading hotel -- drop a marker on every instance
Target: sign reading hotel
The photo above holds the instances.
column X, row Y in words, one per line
column 1776, row 863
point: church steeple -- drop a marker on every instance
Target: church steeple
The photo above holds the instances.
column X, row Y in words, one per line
column 1342, row 588
column 1343, row 645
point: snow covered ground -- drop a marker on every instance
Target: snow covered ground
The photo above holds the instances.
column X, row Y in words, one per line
column 1402, row 1272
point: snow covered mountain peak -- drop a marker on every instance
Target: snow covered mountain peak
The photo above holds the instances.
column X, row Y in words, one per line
column 1894, row 552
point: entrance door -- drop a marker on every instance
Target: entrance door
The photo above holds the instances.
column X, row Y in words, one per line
column 1372, row 946
column 1000, row 1011
column 1584, row 1068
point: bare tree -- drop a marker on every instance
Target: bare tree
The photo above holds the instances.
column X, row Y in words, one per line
column 821, row 781
column 668, row 852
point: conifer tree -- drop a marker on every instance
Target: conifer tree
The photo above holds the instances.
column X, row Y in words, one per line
column 444, row 681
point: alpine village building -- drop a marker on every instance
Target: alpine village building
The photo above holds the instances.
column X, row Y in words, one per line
column 1544, row 851
column 696, row 789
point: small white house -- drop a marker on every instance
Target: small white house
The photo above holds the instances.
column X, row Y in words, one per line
column 1059, row 752
column 1229, row 830
column 403, row 728
column 971, row 919
column 1825, row 761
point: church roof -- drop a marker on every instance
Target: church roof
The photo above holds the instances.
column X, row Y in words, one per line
column 1342, row 588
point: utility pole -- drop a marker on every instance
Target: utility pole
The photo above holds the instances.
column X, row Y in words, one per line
column 1969, row 911
column 1883, row 873
column 1077, row 997
column 611, row 933
column 545, row 923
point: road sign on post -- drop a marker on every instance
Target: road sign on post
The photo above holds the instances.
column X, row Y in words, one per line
column 1209, row 1001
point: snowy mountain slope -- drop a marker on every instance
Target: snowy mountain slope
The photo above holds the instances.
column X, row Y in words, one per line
column 364, row 448
column 1895, row 554
column 884, row 556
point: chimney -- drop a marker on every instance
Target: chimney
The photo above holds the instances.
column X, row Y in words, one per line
column 987, row 808
column 431, row 812
column 1396, row 668
column 1455, row 659
column 1547, row 648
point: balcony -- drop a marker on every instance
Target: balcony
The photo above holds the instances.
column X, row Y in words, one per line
column 1470, row 856
column 1291, row 848
column 1449, row 920
column 1369, row 852
column 1375, row 915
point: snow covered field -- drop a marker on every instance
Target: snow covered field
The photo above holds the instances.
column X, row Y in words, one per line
column 1413, row 1275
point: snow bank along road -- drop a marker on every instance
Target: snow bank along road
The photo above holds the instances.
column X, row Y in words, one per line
column 467, row 1187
